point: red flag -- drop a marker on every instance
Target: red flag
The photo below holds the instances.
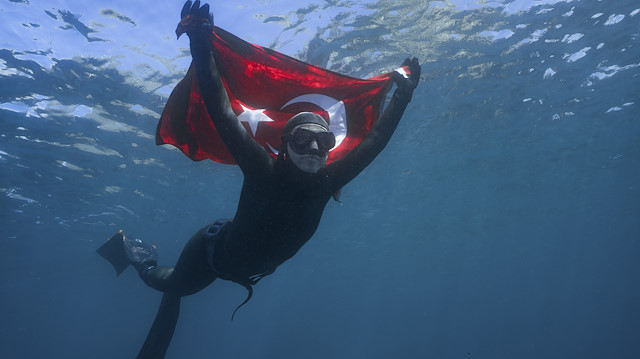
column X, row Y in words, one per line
column 267, row 88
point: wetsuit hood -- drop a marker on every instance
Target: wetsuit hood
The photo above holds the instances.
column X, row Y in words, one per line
column 303, row 118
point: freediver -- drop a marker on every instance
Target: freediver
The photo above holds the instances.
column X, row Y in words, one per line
column 281, row 200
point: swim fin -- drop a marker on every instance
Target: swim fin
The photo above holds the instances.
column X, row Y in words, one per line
column 113, row 251
column 159, row 337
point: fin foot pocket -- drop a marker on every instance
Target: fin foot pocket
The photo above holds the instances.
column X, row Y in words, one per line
column 140, row 253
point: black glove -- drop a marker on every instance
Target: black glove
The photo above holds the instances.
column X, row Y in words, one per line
column 406, row 85
column 195, row 20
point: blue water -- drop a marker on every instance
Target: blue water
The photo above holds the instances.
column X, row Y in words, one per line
column 501, row 221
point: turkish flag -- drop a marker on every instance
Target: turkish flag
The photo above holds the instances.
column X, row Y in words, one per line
column 266, row 89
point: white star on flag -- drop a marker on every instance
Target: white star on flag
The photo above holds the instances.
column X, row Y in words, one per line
column 253, row 118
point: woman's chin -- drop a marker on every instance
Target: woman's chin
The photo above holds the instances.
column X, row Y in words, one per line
column 311, row 164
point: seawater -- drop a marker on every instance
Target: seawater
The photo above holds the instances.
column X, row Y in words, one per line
column 501, row 221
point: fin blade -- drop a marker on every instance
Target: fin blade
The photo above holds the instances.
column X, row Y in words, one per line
column 113, row 251
column 159, row 337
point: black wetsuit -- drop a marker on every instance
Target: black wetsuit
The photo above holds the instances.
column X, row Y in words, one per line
column 279, row 210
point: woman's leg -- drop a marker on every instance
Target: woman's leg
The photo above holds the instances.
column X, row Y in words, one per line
column 191, row 274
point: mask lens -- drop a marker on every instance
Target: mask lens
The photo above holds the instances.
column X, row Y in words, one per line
column 303, row 137
column 326, row 140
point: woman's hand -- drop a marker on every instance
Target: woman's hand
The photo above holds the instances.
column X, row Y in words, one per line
column 195, row 20
column 408, row 82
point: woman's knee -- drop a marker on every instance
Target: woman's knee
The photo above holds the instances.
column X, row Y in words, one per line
column 159, row 278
